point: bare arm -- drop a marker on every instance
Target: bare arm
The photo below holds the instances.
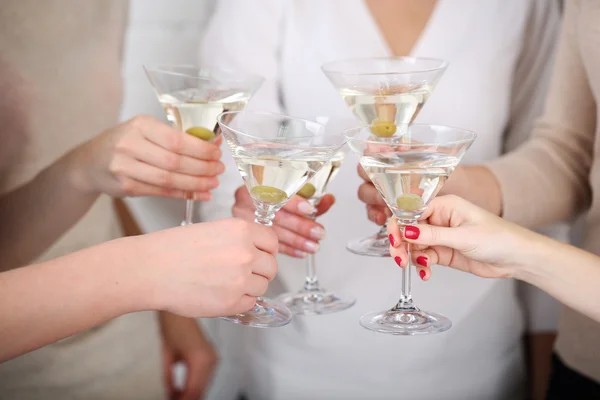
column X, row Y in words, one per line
column 35, row 215
column 43, row 303
column 140, row 157
column 569, row 274
column 465, row 237
column 168, row 270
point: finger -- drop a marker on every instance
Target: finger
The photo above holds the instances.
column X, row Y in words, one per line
column 444, row 256
column 152, row 154
column 422, row 261
column 134, row 188
column 298, row 205
column 378, row 214
column 243, row 212
column 179, row 142
column 325, row 204
column 245, row 304
column 300, row 225
column 264, row 239
column 290, row 251
column 162, row 178
column 243, row 199
column 256, row 285
column 168, row 361
column 399, row 255
column 194, row 382
column 296, row 241
column 294, row 244
column 430, row 235
column 265, row 266
column 394, row 233
column 368, row 194
column 362, row 173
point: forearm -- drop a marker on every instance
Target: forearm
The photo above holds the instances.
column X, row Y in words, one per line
column 569, row 274
column 35, row 215
column 478, row 185
column 44, row 303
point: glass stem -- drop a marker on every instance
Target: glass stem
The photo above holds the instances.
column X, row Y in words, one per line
column 312, row 283
column 383, row 231
column 406, row 302
column 189, row 213
column 263, row 215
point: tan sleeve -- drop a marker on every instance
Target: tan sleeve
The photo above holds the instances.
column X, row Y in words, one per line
column 533, row 72
column 546, row 180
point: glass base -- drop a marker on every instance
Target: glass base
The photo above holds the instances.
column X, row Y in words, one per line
column 315, row 302
column 375, row 246
column 405, row 322
column 266, row 313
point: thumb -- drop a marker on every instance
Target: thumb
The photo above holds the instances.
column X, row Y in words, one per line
column 431, row 235
column 325, row 204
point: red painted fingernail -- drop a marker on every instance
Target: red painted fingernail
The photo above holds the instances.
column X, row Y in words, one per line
column 398, row 261
column 422, row 274
column 411, row 232
column 392, row 240
column 422, row 260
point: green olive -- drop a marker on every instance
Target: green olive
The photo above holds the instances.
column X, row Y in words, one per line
column 409, row 202
column 383, row 128
column 307, row 191
column 201, row 133
column 269, row 194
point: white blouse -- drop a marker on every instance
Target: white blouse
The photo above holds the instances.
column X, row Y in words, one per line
column 499, row 53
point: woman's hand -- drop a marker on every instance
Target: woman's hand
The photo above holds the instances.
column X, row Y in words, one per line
column 203, row 270
column 183, row 342
column 458, row 234
column 145, row 157
column 377, row 211
column 298, row 233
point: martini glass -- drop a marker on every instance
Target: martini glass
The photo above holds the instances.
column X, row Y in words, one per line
column 276, row 155
column 409, row 170
column 386, row 94
column 312, row 299
column 193, row 97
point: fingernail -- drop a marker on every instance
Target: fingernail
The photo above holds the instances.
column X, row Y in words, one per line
column 316, row 232
column 221, row 169
column 392, row 240
column 398, row 261
column 411, row 232
column 422, row 260
column 311, row 247
column 305, row 208
column 422, row 274
column 299, row 254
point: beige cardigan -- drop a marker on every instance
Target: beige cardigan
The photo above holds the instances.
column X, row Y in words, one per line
column 65, row 56
column 556, row 174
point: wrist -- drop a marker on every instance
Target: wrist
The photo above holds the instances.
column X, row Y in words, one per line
column 77, row 171
column 483, row 189
column 135, row 286
column 540, row 253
